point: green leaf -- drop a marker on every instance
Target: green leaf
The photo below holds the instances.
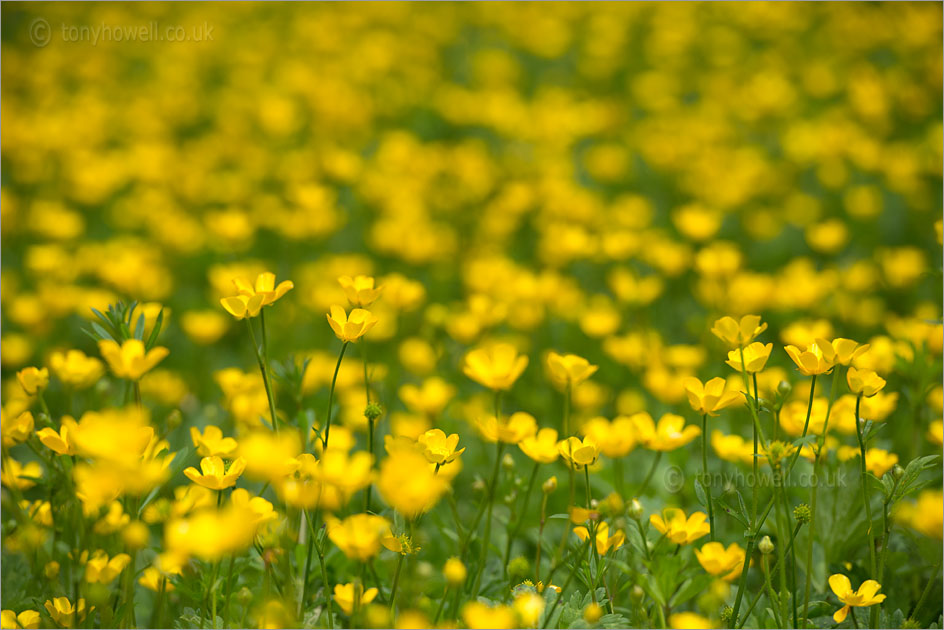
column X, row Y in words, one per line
column 700, row 493
column 139, row 328
column 152, row 338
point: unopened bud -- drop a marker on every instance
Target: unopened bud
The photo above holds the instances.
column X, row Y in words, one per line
column 592, row 613
column 784, row 388
column 636, row 593
column 897, row 472
column 550, row 485
column 765, row 545
column 519, row 567
column 802, row 513
column 373, row 411
column 635, row 510
column 508, row 462
column 727, row 617
column 478, row 485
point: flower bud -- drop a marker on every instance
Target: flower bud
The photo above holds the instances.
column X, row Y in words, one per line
column 550, row 485
column 478, row 485
column 508, row 462
column 802, row 513
column 897, row 472
column 592, row 613
column 765, row 546
column 519, row 567
column 727, row 617
column 784, row 388
column 635, row 510
column 636, row 593
column 373, row 411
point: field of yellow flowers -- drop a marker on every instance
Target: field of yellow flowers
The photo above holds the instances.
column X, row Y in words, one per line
column 471, row 315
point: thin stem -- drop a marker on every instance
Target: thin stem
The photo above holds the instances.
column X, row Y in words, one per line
column 263, row 367
column 865, row 491
column 645, row 541
column 396, row 582
column 334, row 381
column 520, row 520
column 327, row 588
column 774, row 604
column 567, row 395
column 927, row 589
column 652, row 470
column 855, row 622
column 706, row 481
column 750, row 608
column 486, row 538
column 806, row 425
column 782, row 528
column 751, row 534
column 560, row 595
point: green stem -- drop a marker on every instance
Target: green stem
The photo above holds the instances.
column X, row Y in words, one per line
column 486, row 538
column 229, row 587
column 927, row 589
column 806, row 425
column 560, row 596
column 520, row 520
column 774, row 604
column 751, row 534
column 327, row 588
column 652, row 471
column 645, row 541
column 263, row 367
column 782, row 529
column 706, row 481
column 750, row 608
column 334, row 381
column 865, row 499
column 396, row 582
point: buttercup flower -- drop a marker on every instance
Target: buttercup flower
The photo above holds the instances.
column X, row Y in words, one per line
column 27, row 619
column 347, row 594
column 243, row 306
column 350, row 327
column 33, row 380
column 212, row 442
column 478, row 615
column 103, row 570
column 75, row 369
column 496, row 367
column 454, row 571
column 670, row 433
column 213, row 474
column 16, row 430
column 430, row 398
column 578, row 454
column 568, row 370
column 678, row 528
column 865, row 596
column 615, row 439
column 709, row 398
column 20, row 476
column 755, row 357
column 360, row 290
column 438, row 448
column 512, row 430
column 845, row 351
column 738, row 333
column 358, row 536
column 151, row 579
column 813, row 361
column 64, row 613
column 718, row 561
column 604, row 542
column 864, row 382
column 129, row 359
column 541, row 447
column 265, row 287
column 408, row 484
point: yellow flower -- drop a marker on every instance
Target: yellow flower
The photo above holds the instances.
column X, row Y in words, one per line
column 568, row 370
column 670, row 433
column 678, row 528
column 204, row 327
column 401, row 544
column 732, row 448
column 935, row 433
column 33, row 380
column 578, row 454
column 710, row 397
column 346, row 594
column 879, row 461
column 350, row 327
column 478, row 615
column 407, row 483
column 925, row 515
column 64, row 613
column 358, row 536
column 529, row 606
column 60, row 442
column 75, row 369
column 258, row 509
column 243, row 306
column 438, row 448
column 815, row 359
column 129, row 359
column 360, row 290
column 270, row 456
column 845, row 351
column 212, row 442
column 102, row 570
column 604, row 542
column 210, row 534
column 454, row 572
column 718, row 561
column 496, row 367
column 151, row 579
column 27, row 619
column 738, row 333
column 755, row 357
column 864, row 382
column 517, row 427
column 264, row 286
column 541, row 447
column 430, row 398
column 616, row 438
column 19, row 476
column 215, row 475
column 689, row 620
column 865, row 596
column 16, row 430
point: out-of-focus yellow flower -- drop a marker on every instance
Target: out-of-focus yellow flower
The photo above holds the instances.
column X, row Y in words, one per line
column 27, row 619
column 814, row 360
column 454, row 572
column 864, row 382
column 264, row 286
column 578, row 454
column 257, row 509
column 16, row 430
column 347, row 594
column 430, row 398
column 709, row 398
column 440, row 448
column 358, row 536
column 670, row 433
column 529, row 606
column 865, row 596
column 513, row 430
column 204, row 327
column 755, row 357
column 350, row 328
column 51, row 570
column 604, row 542
column 20, row 476
column 615, row 439
column 721, row 562
column 75, row 369
column 210, row 534
column 360, row 290
column 151, row 579
column 129, row 359
column 738, row 333
column 103, row 570
column 478, row 615
column 845, row 351
column 568, row 370
column 496, row 367
column 114, row 519
column 214, row 474
column 270, row 456
column 926, row 515
column 212, row 442
column 541, row 447
column 408, row 484
column 690, row 621
column 401, row 544
column 64, row 613
column 679, row 529
column 732, row 448
column 33, row 380
column 936, row 432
